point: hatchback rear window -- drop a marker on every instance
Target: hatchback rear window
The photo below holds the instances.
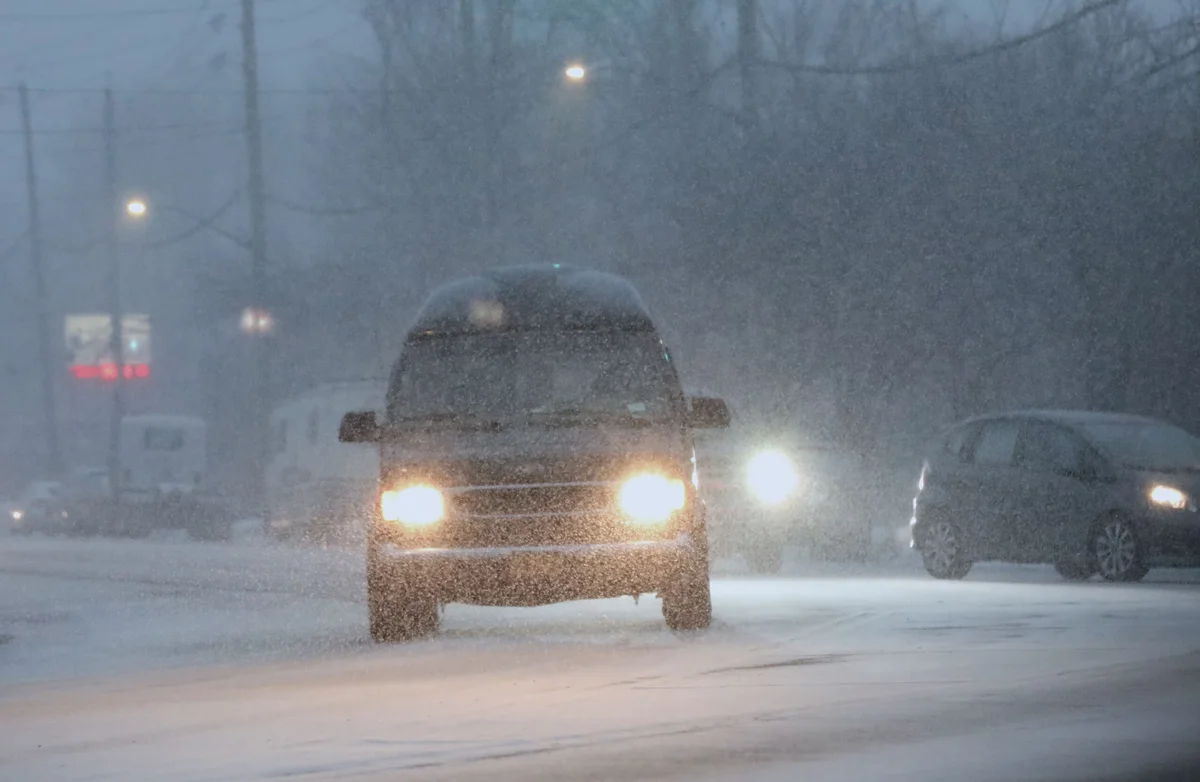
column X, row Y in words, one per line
column 997, row 443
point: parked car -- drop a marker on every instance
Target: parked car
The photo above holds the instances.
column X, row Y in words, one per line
column 1088, row 492
column 34, row 510
column 767, row 487
column 82, row 490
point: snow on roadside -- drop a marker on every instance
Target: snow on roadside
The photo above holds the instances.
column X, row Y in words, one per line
column 1124, row 739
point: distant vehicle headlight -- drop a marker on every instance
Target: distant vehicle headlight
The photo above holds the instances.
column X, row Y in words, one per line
column 17, row 515
column 651, row 498
column 772, row 477
column 1169, row 496
column 416, row 506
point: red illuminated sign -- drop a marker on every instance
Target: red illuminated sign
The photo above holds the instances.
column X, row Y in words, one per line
column 109, row 371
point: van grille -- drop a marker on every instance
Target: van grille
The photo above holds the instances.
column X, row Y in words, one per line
column 533, row 500
column 538, row 515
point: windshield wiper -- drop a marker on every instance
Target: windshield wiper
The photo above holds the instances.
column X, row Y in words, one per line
column 573, row 416
column 460, row 420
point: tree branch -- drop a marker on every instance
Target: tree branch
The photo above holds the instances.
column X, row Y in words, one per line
column 945, row 62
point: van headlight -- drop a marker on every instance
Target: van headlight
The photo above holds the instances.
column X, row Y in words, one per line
column 651, row 498
column 772, row 477
column 416, row 506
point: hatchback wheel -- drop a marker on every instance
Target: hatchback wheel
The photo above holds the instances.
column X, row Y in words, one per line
column 1118, row 551
column 1074, row 570
column 942, row 552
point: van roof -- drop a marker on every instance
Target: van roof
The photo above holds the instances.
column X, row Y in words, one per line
column 1069, row 417
column 534, row 297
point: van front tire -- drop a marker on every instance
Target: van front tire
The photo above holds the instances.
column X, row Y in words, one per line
column 687, row 604
column 398, row 612
column 688, row 607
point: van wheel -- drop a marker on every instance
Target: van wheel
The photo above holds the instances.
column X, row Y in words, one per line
column 687, row 604
column 396, row 616
column 398, row 612
column 1118, row 551
column 942, row 552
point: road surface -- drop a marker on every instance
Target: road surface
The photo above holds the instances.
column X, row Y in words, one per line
column 159, row 659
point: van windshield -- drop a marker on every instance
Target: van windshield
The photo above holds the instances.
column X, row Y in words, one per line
column 533, row 376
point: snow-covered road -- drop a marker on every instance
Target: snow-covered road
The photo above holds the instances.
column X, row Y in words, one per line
column 153, row 660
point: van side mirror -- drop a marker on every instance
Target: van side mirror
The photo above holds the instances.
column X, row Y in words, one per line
column 359, row 427
column 708, row 413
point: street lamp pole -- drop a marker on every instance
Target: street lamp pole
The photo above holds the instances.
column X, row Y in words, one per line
column 258, row 235
column 116, row 340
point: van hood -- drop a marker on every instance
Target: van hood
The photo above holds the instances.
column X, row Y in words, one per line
column 534, row 454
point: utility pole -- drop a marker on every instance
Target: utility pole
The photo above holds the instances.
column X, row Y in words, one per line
column 258, row 234
column 116, row 339
column 747, row 54
column 49, row 364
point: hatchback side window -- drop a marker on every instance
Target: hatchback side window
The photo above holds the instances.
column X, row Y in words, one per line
column 1044, row 447
column 997, row 444
column 957, row 443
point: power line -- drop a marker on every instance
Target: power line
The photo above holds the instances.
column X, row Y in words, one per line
column 324, row 211
column 207, row 222
column 204, row 223
column 200, row 130
column 147, row 39
column 225, row 126
column 187, row 43
column 944, row 62
column 85, row 16
column 663, row 112
column 200, row 90
column 652, row 117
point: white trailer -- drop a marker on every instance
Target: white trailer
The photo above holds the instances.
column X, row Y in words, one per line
column 162, row 455
column 316, row 486
column 163, row 463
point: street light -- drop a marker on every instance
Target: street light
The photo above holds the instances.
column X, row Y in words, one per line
column 135, row 207
column 575, row 72
column 257, row 321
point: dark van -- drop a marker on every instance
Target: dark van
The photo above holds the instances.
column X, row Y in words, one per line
column 536, row 448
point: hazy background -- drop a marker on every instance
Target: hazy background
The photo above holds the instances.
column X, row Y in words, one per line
column 873, row 234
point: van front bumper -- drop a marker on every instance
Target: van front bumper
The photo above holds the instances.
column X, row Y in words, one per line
column 537, row 575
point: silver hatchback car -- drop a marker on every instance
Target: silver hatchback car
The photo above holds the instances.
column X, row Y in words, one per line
column 1088, row 492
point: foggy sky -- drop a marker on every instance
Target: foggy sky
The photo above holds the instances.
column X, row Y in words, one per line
column 69, row 50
